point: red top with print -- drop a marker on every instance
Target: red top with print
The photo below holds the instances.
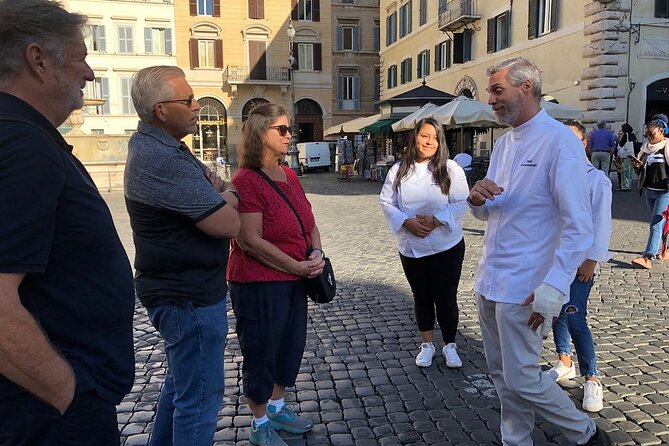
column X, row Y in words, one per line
column 279, row 224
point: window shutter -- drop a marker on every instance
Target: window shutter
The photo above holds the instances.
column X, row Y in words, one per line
column 419, row 65
column 356, row 38
column 293, row 10
column 492, row 29
column 252, row 9
column 296, row 56
column 402, row 70
column 662, row 8
column 377, row 38
column 467, row 45
column 318, row 57
column 388, row 42
column 340, row 38
column 194, row 57
column 409, row 14
column 148, row 44
column 447, row 63
column 532, row 18
column 458, row 56
column 409, row 75
column 218, row 53
column 316, row 11
column 217, row 8
column 427, row 63
column 356, row 92
column 437, row 58
column 555, row 14
column 192, row 7
column 168, row 41
column 340, row 91
column 104, row 93
column 260, row 9
column 102, row 41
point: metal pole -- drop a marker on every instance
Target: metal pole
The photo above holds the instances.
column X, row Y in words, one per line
column 293, row 152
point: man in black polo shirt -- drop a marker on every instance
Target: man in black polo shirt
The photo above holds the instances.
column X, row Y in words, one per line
column 66, row 292
column 182, row 216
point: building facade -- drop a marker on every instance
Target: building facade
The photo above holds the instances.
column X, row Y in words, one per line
column 236, row 56
column 608, row 58
column 356, row 72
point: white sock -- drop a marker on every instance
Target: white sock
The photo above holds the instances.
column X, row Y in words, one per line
column 277, row 405
column 258, row 421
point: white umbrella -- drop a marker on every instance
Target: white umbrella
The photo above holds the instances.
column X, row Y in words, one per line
column 466, row 112
column 352, row 126
column 409, row 121
column 561, row 112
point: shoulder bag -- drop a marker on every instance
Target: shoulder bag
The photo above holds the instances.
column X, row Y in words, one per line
column 322, row 288
column 626, row 149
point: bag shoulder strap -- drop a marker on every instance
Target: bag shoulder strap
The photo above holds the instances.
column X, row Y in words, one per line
column 283, row 196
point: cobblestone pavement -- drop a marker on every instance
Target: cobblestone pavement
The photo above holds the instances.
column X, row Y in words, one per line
column 358, row 381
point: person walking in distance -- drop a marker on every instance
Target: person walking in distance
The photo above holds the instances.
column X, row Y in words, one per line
column 423, row 199
column 572, row 323
column 602, row 143
column 182, row 216
column 66, row 292
column 537, row 235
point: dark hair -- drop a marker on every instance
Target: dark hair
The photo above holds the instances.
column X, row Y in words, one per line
column 577, row 124
column 439, row 162
column 252, row 146
column 626, row 128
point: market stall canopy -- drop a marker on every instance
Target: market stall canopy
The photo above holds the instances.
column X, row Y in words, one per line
column 380, row 126
column 561, row 112
column 352, row 126
column 465, row 112
column 409, row 122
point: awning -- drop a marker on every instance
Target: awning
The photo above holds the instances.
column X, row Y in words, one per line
column 352, row 126
column 380, row 126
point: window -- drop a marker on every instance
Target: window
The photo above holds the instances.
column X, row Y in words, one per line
column 127, row 107
column 423, row 64
column 498, row 32
column 97, row 131
column 306, row 10
column 462, row 47
column 377, row 88
column 205, row 7
column 308, row 56
column 206, row 50
column 206, row 53
column 392, row 76
column 95, row 40
column 349, row 92
column 125, row 39
column 543, row 17
column 391, row 29
column 376, row 36
column 405, row 74
column 158, row 40
column 348, row 37
column 256, row 9
column 442, row 56
column 405, row 19
column 422, row 12
column 98, row 89
column 662, row 9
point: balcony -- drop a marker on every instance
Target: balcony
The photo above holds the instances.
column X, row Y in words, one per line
column 238, row 75
column 455, row 14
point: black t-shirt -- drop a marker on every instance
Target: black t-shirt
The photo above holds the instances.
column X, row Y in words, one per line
column 166, row 194
column 56, row 228
column 656, row 171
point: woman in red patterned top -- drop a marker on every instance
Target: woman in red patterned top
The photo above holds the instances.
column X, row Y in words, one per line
column 268, row 261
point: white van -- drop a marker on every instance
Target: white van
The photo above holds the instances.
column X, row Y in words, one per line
column 314, row 155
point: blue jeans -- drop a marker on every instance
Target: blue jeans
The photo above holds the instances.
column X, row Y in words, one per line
column 657, row 202
column 194, row 383
column 572, row 325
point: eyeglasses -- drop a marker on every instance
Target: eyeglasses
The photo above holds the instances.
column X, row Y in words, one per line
column 188, row 101
column 283, row 129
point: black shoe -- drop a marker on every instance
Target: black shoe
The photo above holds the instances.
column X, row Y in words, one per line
column 600, row 438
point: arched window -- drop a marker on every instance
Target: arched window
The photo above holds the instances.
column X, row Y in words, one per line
column 250, row 105
column 210, row 140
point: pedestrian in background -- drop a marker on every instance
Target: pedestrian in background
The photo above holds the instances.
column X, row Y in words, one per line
column 182, row 216
column 624, row 153
column 537, row 235
column 423, row 199
column 572, row 323
column 652, row 167
column 66, row 294
column 602, row 144
column 268, row 263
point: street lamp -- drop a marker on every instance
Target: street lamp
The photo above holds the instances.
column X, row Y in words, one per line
column 294, row 153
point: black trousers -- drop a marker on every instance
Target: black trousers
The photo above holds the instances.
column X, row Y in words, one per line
column 434, row 283
column 28, row 421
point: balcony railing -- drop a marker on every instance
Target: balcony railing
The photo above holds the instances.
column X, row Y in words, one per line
column 454, row 14
column 238, row 74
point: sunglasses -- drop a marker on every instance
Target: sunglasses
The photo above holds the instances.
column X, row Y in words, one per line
column 188, row 101
column 283, row 129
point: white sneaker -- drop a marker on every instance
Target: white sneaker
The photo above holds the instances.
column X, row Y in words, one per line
column 560, row 372
column 424, row 358
column 450, row 352
column 592, row 396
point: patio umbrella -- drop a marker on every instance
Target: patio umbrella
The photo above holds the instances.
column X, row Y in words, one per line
column 409, row 121
column 561, row 112
column 352, row 126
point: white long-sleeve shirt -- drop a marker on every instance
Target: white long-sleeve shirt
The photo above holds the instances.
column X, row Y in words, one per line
column 599, row 186
column 540, row 227
column 419, row 194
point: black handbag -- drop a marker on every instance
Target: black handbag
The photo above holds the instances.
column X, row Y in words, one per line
column 322, row 288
